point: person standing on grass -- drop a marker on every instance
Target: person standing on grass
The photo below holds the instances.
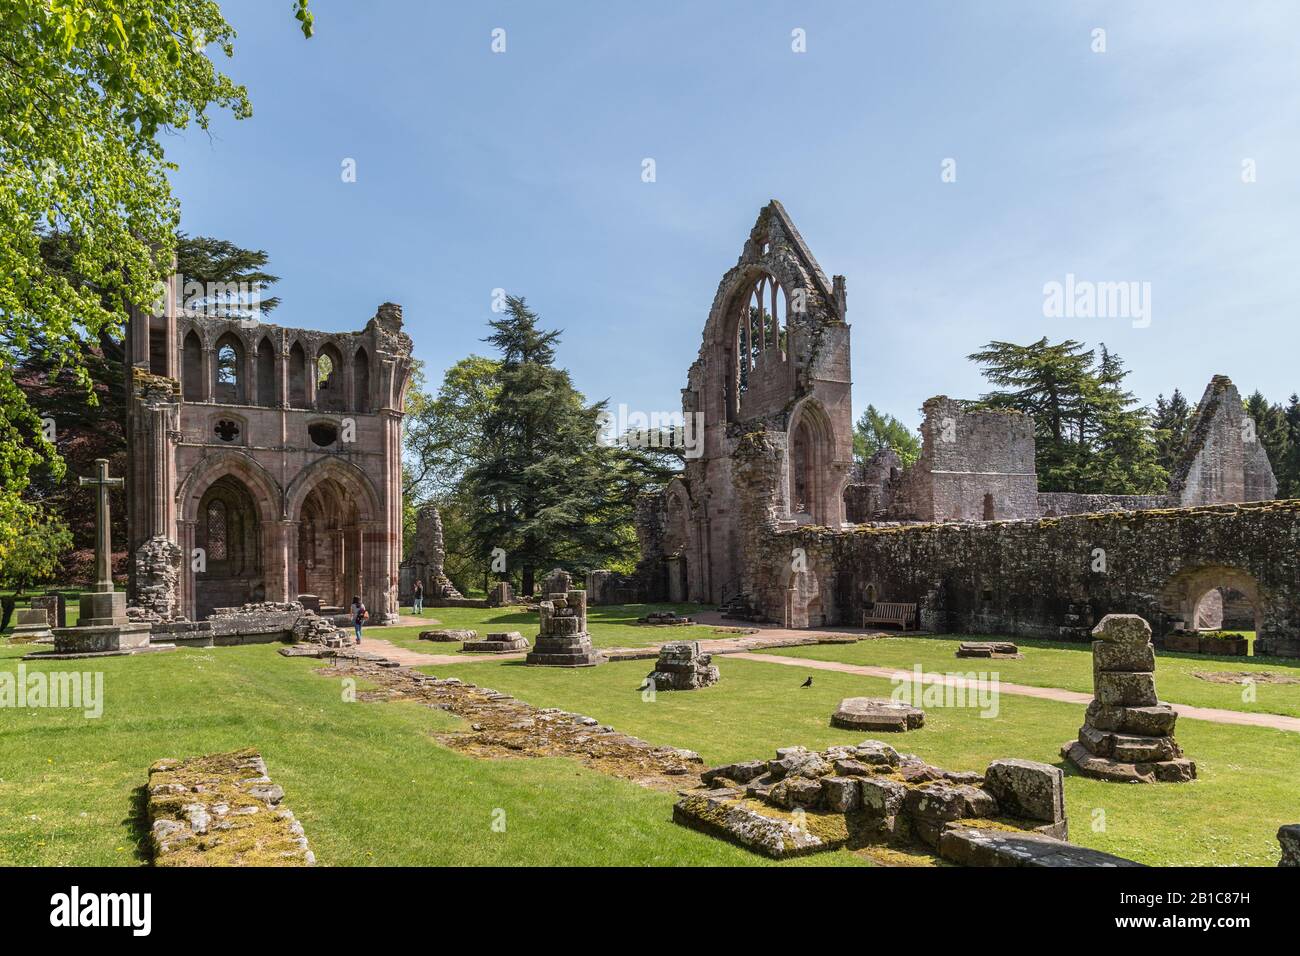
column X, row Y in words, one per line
column 359, row 616
column 418, row 598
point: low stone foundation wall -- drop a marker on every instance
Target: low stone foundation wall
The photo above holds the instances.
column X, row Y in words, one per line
column 1049, row 578
column 222, row 810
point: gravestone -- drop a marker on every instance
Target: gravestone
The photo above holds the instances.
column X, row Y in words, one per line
column 563, row 640
column 31, row 626
column 56, row 609
column 1127, row 734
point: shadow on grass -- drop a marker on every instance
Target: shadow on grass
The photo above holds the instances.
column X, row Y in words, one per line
column 137, row 824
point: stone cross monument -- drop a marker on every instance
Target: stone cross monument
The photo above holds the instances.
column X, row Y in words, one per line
column 102, row 625
column 103, row 524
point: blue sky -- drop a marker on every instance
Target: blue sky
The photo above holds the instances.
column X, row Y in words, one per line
column 522, row 170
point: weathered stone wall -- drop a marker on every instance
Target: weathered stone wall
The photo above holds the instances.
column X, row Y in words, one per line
column 261, row 425
column 974, row 465
column 798, row 388
column 1055, row 504
column 1224, row 459
column 1053, row 577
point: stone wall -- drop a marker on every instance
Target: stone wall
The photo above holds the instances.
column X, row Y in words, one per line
column 1223, row 459
column 1051, row 578
column 1054, row 504
column 302, row 456
column 974, row 465
column 222, row 810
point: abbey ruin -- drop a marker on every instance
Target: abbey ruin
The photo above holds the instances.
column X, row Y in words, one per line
column 772, row 520
column 264, row 463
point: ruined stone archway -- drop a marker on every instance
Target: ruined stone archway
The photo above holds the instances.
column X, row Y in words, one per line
column 329, row 546
column 806, row 600
column 253, row 568
column 814, row 486
column 333, row 508
column 1186, row 590
column 230, row 570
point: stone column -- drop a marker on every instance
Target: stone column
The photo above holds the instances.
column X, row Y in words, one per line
column 288, row 559
column 209, row 374
column 188, row 592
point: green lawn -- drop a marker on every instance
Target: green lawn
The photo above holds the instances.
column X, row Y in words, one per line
column 1069, row 666
column 369, row 783
column 372, row 786
column 609, row 626
column 1230, row 815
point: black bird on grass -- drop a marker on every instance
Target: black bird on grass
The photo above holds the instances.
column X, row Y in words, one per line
column 807, row 683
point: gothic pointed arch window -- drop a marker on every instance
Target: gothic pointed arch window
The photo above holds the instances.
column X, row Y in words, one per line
column 229, row 371
column 760, row 344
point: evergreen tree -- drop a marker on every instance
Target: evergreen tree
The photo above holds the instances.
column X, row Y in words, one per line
column 545, row 490
column 1288, row 484
column 1169, row 428
column 877, row 430
column 89, row 413
column 1090, row 434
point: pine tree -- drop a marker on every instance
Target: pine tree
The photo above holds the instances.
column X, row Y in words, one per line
column 877, row 430
column 1089, row 433
column 1169, row 428
column 546, row 491
column 1288, row 472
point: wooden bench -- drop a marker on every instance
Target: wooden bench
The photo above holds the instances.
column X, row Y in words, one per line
column 884, row 612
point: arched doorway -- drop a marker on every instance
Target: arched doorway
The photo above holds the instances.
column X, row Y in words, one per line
column 329, row 545
column 813, row 495
column 229, row 532
column 1214, row 597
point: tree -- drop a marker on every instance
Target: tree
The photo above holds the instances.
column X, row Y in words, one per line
column 444, row 432
column 545, row 490
column 1288, row 470
column 877, row 430
column 32, row 557
column 1090, row 434
column 1169, row 428
column 85, row 90
column 225, row 270
column 90, row 424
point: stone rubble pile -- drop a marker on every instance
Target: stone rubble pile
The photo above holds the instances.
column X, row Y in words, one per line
column 665, row 619
column 681, row 666
column 992, row 649
column 1127, row 734
column 1289, row 837
column 501, row 725
column 807, row 801
column 222, row 810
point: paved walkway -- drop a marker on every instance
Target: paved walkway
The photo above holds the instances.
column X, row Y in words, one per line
column 1212, row 714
